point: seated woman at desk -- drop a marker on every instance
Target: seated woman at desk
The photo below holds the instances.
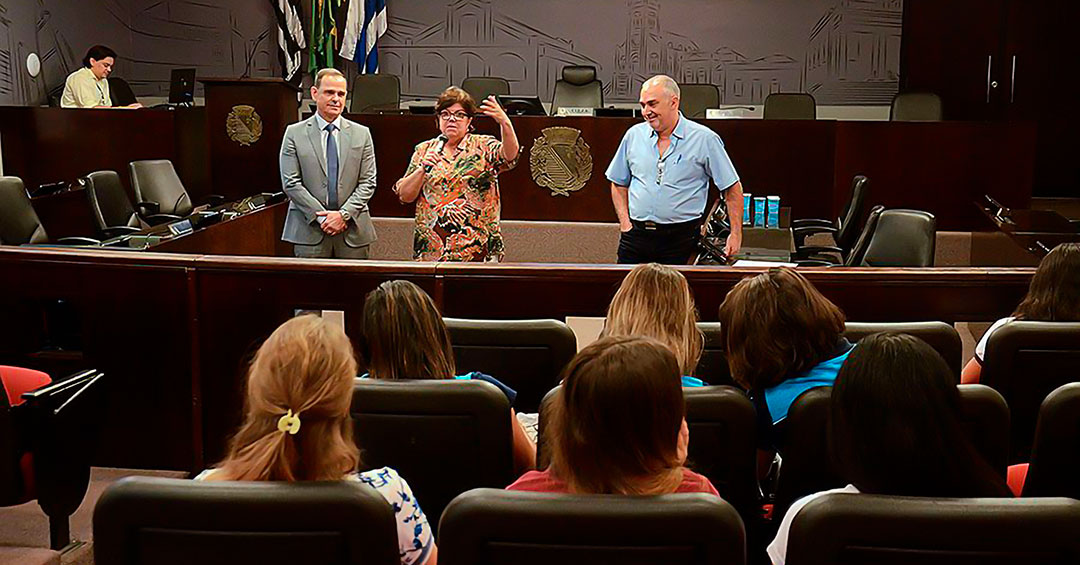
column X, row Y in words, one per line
column 88, row 87
column 454, row 181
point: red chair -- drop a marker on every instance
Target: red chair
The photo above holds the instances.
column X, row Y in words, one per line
column 44, row 449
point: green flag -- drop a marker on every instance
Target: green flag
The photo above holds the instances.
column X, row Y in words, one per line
column 324, row 35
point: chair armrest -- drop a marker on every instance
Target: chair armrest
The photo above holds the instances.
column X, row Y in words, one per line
column 212, row 200
column 77, row 241
column 147, row 208
column 113, row 231
column 799, row 234
column 817, row 250
column 807, row 222
column 158, row 219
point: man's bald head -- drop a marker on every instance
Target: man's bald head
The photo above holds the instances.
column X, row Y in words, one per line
column 660, row 103
column 664, row 82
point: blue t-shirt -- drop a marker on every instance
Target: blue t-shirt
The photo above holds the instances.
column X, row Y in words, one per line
column 693, row 382
column 510, row 393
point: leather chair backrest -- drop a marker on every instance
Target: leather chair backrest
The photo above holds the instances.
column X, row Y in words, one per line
column 19, row 223
column 173, row 521
column 696, row 98
column 108, row 201
column 723, row 445
column 372, row 93
column 482, row 87
column 1055, row 455
column 939, row 335
column 712, row 366
column 888, row 530
column 854, row 211
column 444, row 437
column 578, row 88
column 1026, row 361
column 903, row 238
column 809, row 468
column 156, row 181
column 526, row 355
column 498, row 527
column 790, row 106
column 916, row 107
column 862, row 243
column 120, row 92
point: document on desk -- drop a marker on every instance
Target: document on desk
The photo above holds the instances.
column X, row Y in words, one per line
column 753, row 263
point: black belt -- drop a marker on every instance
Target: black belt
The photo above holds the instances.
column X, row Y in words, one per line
column 654, row 226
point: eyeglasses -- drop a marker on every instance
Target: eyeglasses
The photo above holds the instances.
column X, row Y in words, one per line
column 456, row 116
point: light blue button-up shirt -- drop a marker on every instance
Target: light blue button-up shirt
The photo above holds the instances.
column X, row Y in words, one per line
column 674, row 188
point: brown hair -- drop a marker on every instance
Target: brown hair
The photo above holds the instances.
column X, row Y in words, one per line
column 1054, row 293
column 328, row 72
column 655, row 301
column 455, row 95
column 615, row 422
column 404, row 334
column 306, row 366
column 774, row 324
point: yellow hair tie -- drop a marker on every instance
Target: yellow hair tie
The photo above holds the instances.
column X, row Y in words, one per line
column 288, row 423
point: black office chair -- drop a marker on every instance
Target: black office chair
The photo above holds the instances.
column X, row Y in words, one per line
column 46, row 442
column 578, row 88
column 482, row 87
column 171, row 521
column 696, row 98
column 712, row 366
column 375, row 93
column 498, row 527
column 120, row 92
column 887, row 530
column 903, row 238
column 109, row 204
column 444, row 437
column 1055, row 454
column 19, row 223
column 525, row 355
column 723, row 445
column 158, row 190
column 844, row 229
column 939, row 335
column 790, row 106
column 1026, row 361
column 856, row 254
column 916, row 107
column 808, row 467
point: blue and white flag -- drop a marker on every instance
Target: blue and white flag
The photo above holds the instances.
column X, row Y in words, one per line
column 363, row 28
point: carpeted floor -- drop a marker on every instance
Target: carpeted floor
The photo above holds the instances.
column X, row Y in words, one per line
column 27, row 526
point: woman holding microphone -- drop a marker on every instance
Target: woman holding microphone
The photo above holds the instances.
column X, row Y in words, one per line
column 454, row 181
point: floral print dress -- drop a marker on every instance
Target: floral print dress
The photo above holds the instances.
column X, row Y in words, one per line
column 457, row 214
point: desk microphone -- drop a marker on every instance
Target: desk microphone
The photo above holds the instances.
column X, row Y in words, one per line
column 438, row 149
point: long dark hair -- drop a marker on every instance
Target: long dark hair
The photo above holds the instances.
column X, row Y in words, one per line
column 615, row 423
column 775, row 324
column 404, row 336
column 1054, row 294
column 97, row 53
column 895, row 424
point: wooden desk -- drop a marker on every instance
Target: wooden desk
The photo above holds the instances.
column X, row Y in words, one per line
column 173, row 332
column 939, row 167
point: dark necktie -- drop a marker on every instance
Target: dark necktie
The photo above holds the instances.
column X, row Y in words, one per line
column 331, row 169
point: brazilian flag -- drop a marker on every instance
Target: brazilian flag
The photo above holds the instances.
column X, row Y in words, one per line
column 324, row 34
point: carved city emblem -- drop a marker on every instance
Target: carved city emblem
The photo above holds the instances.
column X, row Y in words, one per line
column 244, row 125
column 560, row 161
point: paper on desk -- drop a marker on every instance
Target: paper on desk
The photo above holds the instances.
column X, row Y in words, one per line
column 753, row 263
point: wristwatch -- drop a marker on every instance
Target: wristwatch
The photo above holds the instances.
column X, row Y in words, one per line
column 345, row 215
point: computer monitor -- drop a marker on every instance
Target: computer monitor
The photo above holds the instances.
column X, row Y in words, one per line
column 182, row 86
column 522, row 105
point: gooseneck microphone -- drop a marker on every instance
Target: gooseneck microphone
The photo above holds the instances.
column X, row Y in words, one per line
column 438, row 149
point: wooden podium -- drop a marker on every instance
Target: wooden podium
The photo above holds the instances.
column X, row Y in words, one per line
column 245, row 122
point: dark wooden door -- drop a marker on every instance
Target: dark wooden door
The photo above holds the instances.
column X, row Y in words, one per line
column 955, row 48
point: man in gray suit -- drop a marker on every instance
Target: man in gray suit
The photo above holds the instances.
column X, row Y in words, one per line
column 328, row 172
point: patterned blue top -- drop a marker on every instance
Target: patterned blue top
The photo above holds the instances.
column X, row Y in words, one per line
column 415, row 541
column 673, row 188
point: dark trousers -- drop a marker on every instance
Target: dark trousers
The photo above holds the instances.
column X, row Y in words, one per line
column 668, row 244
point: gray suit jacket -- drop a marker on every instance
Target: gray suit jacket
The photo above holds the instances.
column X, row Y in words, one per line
column 303, row 177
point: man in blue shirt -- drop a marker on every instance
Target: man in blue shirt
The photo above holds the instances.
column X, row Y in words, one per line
column 660, row 181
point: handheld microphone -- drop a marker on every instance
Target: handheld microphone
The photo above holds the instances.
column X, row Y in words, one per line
column 438, row 149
